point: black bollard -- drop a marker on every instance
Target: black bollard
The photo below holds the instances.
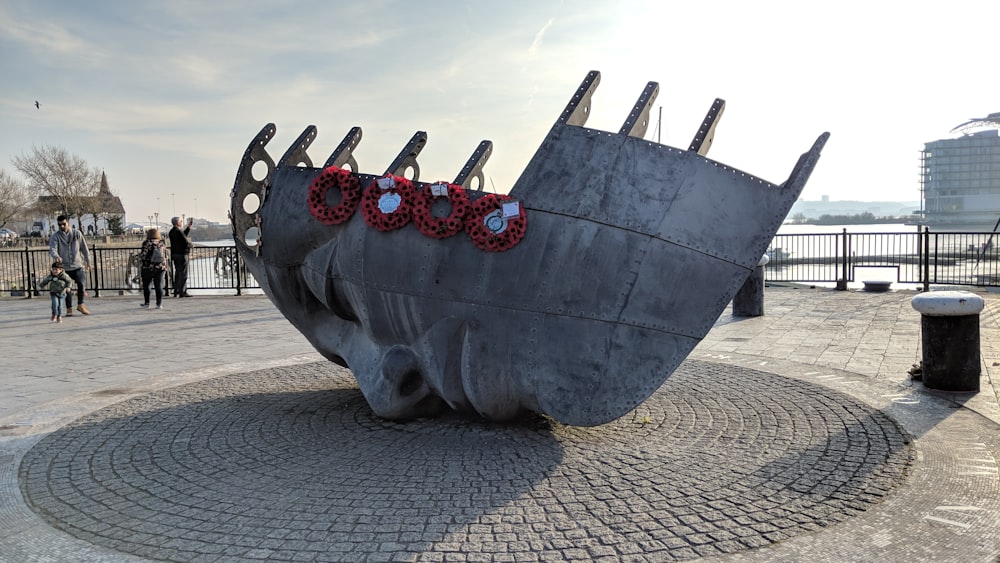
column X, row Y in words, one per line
column 949, row 336
column 749, row 300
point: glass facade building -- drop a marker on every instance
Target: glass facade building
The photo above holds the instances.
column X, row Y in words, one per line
column 960, row 182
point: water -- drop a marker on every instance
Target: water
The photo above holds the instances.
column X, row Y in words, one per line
column 221, row 242
column 211, row 271
column 211, row 267
column 879, row 252
column 892, row 241
column 795, row 229
column 786, row 253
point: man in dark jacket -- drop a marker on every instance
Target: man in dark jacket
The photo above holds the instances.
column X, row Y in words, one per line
column 180, row 247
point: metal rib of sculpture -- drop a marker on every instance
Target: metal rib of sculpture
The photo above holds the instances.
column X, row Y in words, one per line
column 631, row 251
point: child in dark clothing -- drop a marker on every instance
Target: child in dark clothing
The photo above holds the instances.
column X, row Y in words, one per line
column 58, row 284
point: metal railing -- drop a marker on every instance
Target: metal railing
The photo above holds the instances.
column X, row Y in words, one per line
column 923, row 258
column 115, row 269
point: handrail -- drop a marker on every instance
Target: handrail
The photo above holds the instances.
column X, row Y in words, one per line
column 116, row 269
column 921, row 258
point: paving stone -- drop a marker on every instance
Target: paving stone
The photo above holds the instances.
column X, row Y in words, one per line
column 760, row 448
column 269, row 448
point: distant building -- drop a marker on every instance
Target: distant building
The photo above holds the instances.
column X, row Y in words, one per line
column 960, row 178
column 104, row 206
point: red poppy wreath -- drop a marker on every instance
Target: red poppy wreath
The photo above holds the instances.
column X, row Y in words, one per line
column 440, row 227
column 487, row 226
column 350, row 195
column 387, row 202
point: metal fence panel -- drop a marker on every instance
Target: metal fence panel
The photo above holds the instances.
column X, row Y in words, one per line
column 896, row 251
column 968, row 258
column 115, row 270
column 803, row 258
column 964, row 259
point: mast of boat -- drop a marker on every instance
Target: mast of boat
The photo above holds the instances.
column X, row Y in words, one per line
column 657, row 131
column 659, row 127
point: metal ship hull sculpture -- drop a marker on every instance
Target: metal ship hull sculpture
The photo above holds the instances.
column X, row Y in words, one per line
column 576, row 296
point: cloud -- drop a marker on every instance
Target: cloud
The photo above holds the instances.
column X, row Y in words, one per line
column 44, row 37
column 537, row 42
column 193, row 81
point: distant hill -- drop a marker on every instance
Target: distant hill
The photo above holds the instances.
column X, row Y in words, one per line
column 816, row 209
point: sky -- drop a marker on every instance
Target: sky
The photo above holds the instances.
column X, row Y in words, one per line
column 165, row 96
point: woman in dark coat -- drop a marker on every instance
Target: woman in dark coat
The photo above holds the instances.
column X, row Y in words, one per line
column 151, row 257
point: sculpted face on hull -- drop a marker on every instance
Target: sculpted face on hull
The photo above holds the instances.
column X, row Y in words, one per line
column 575, row 296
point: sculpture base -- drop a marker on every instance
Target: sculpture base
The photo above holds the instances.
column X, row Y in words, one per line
column 230, row 462
column 749, row 300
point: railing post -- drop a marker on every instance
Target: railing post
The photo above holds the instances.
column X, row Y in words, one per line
column 238, row 271
column 26, row 271
column 926, row 258
column 109, row 271
column 32, row 273
column 842, row 280
column 168, row 276
column 920, row 255
column 95, row 278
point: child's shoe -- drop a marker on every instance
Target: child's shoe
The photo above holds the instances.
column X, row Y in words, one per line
column 53, row 318
column 58, row 319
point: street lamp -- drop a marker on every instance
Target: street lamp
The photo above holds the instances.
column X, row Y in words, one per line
column 150, row 221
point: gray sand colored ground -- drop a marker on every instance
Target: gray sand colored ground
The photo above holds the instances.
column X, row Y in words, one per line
column 212, row 431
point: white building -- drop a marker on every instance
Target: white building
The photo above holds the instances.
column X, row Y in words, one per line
column 960, row 178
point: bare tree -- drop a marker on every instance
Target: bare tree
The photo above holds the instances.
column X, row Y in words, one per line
column 66, row 179
column 14, row 197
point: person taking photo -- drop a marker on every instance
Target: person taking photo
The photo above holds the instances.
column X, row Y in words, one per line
column 180, row 248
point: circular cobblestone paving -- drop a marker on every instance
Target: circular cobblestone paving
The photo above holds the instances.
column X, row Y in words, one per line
column 291, row 464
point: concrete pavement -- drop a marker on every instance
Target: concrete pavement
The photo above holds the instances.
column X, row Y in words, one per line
column 212, row 431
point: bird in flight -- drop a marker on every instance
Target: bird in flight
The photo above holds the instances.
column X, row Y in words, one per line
column 37, row 105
